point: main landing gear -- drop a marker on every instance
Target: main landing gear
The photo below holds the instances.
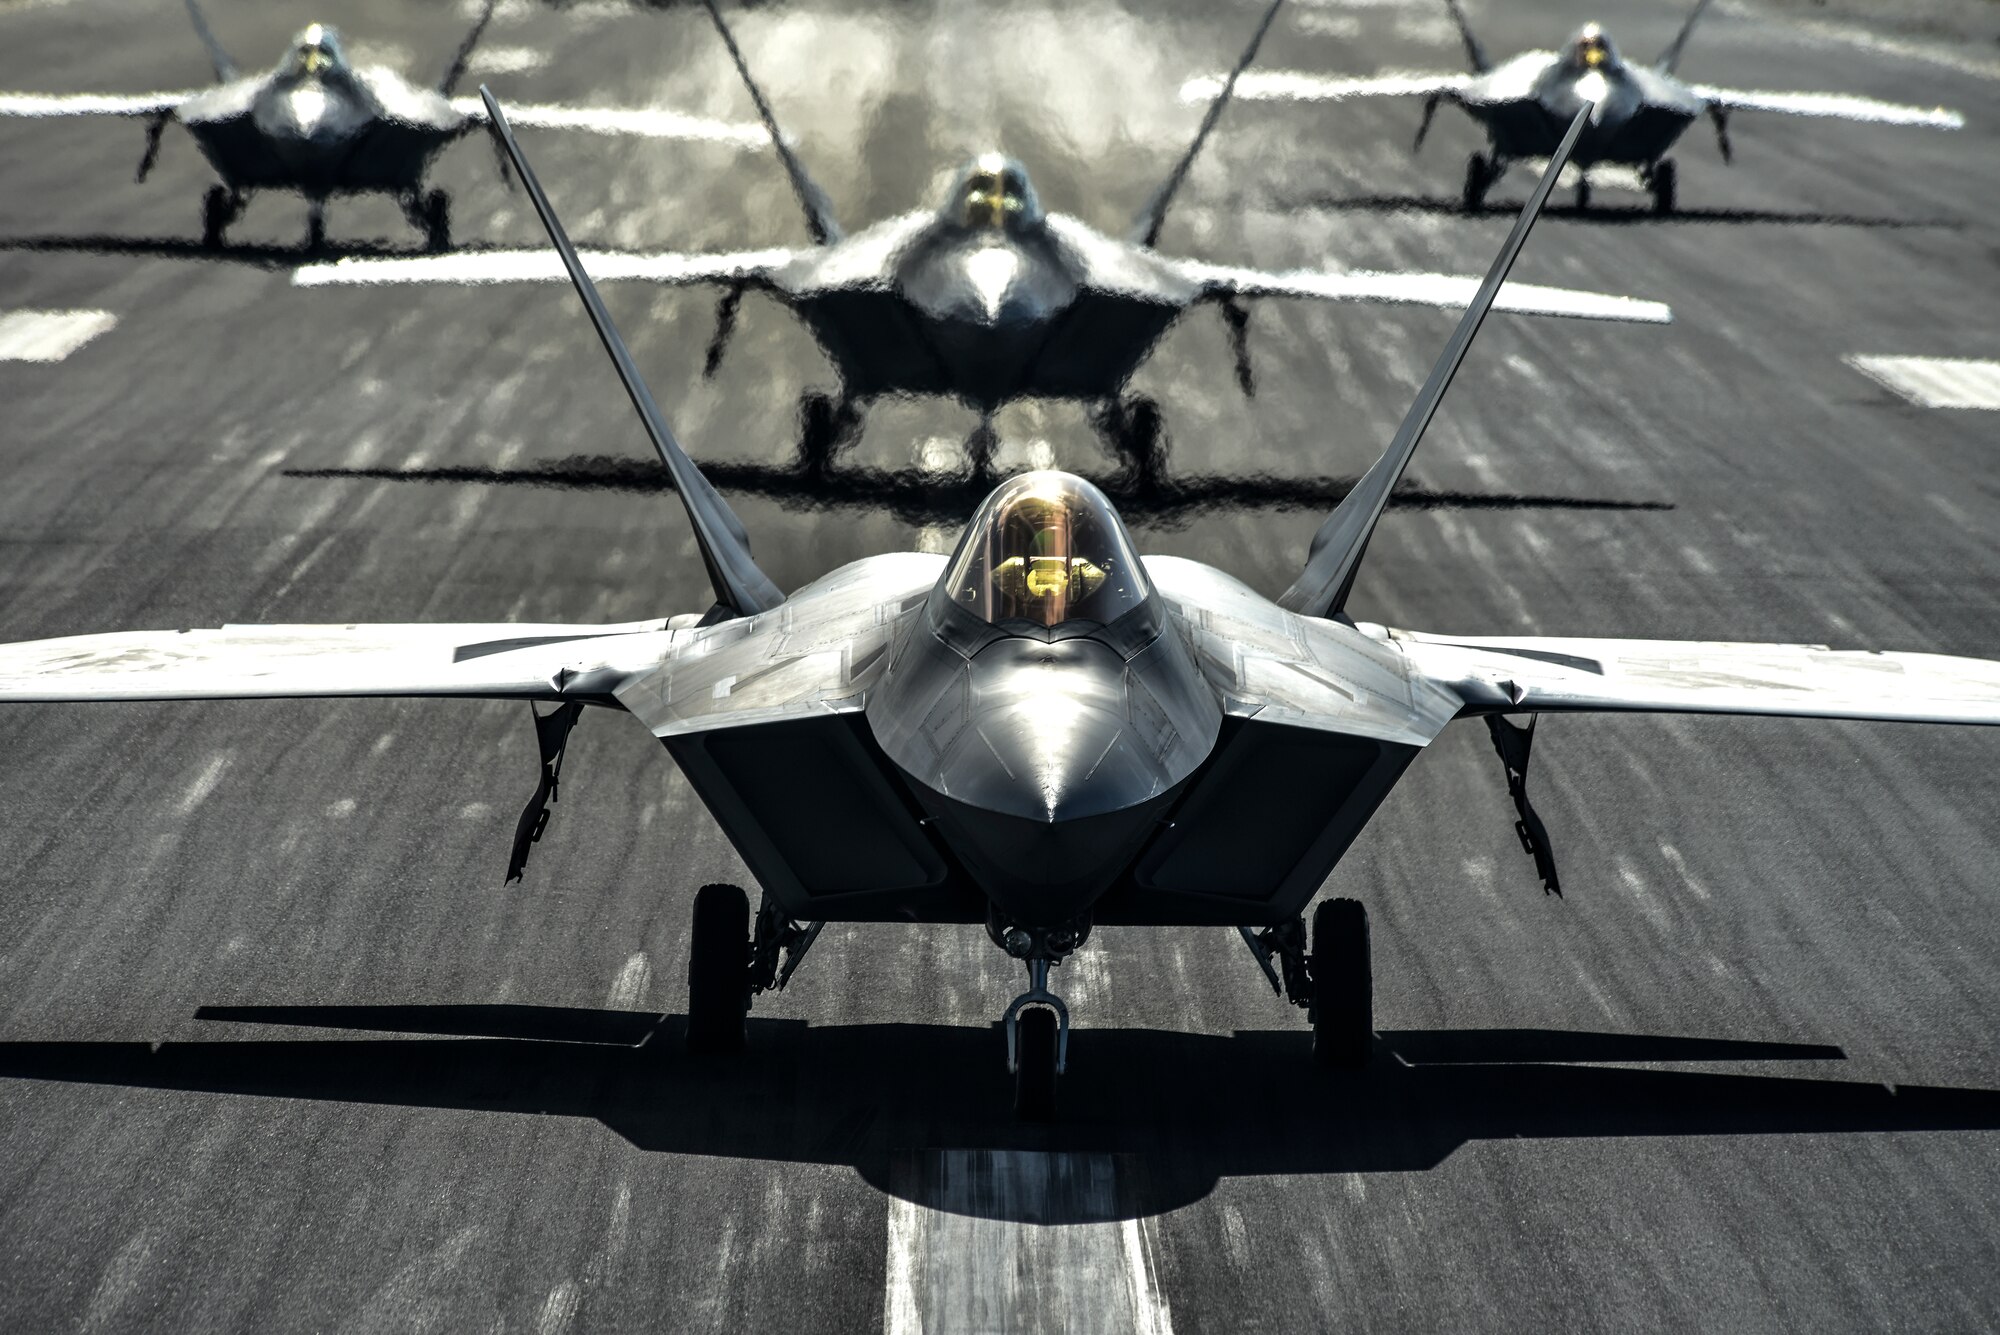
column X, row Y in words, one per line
column 1659, row 180
column 1334, row 981
column 729, row 964
column 431, row 215
column 827, row 425
column 1481, row 174
column 220, row 207
column 1037, row 1022
column 1132, row 428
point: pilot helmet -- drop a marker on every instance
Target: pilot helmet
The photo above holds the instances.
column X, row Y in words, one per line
column 994, row 191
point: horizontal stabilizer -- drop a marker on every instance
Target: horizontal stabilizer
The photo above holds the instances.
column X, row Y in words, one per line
column 498, row 660
column 1539, row 674
column 742, row 269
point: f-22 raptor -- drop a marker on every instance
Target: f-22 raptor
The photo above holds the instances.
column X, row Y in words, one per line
column 1638, row 111
column 1041, row 733
column 318, row 125
column 987, row 298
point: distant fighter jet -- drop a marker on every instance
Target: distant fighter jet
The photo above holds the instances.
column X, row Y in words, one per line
column 987, row 298
column 318, row 125
column 1524, row 103
column 1038, row 734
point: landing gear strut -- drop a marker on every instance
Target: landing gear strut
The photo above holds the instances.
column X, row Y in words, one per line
column 1131, row 427
column 316, row 225
column 220, row 207
column 1037, row 1022
column 1480, row 174
column 432, row 215
column 1660, row 183
column 826, row 425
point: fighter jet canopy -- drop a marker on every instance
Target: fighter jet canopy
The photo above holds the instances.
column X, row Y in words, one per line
column 1590, row 49
column 1046, row 548
column 315, row 49
column 993, row 191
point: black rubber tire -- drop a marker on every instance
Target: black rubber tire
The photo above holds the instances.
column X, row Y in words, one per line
column 1662, row 184
column 1343, row 986
column 1582, row 191
column 1478, row 180
column 218, row 210
column 1035, row 1066
column 315, row 229
column 437, row 221
column 718, row 970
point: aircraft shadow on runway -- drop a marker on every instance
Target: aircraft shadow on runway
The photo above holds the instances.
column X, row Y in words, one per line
column 1178, row 1111
column 926, row 496
column 1609, row 214
column 256, row 255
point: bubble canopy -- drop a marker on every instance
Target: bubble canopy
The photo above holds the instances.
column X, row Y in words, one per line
column 1046, row 548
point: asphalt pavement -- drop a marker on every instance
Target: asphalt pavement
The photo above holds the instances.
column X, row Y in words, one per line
column 279, row 1051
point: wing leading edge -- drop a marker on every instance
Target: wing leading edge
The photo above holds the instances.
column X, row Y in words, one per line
column 1544, row 675
column 492, row 661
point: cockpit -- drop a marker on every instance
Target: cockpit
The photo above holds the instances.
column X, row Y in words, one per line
column 994, row 192
column 1590, row 49
column 316, row 50
column 1046, row 548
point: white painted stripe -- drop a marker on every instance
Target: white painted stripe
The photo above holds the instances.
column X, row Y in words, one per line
column 541, row 266
column 1013, row 1240
column 649, row 122
column 628, row 989
column 88, row 104
column 1936, row 382
column 505, row 60
column 1297, row 86
column 1843, row 106
column 49, row 336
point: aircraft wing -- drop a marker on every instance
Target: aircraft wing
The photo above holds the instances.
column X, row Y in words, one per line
column 91, row 104
column 645, row 122
column 1842, row 106
column 1293, row 86
column 1418, row 289
column 744, row 268
column 1535, row 674
column 505, row 660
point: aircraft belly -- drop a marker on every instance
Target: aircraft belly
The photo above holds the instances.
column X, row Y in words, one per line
column 1259, row 828
column 813, row 809
column 1096, row 344
column 384, row 157
column 875, row 341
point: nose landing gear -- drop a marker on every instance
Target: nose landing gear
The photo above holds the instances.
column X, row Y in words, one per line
column 1037, row 1022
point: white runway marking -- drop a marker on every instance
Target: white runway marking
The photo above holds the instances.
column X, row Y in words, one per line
column 1016, row 1241
column 1936, row 382
column 628, row 989
column 49, row 336
column 505, row 60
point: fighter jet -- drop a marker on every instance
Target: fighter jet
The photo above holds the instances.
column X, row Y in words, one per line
column 987, row 297
column 1040, row 733
column 322, row 127
column 1523, row 104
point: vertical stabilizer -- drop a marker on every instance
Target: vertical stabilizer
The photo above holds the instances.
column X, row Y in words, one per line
column 225, row 68
column 463, row 56
column 741, row 589
column 1147, row 226
column 1475, row 54
column 1322, row 587
column 1672, row 55
column 820, row 223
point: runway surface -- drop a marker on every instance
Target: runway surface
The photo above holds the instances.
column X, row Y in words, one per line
column 278, row 1050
